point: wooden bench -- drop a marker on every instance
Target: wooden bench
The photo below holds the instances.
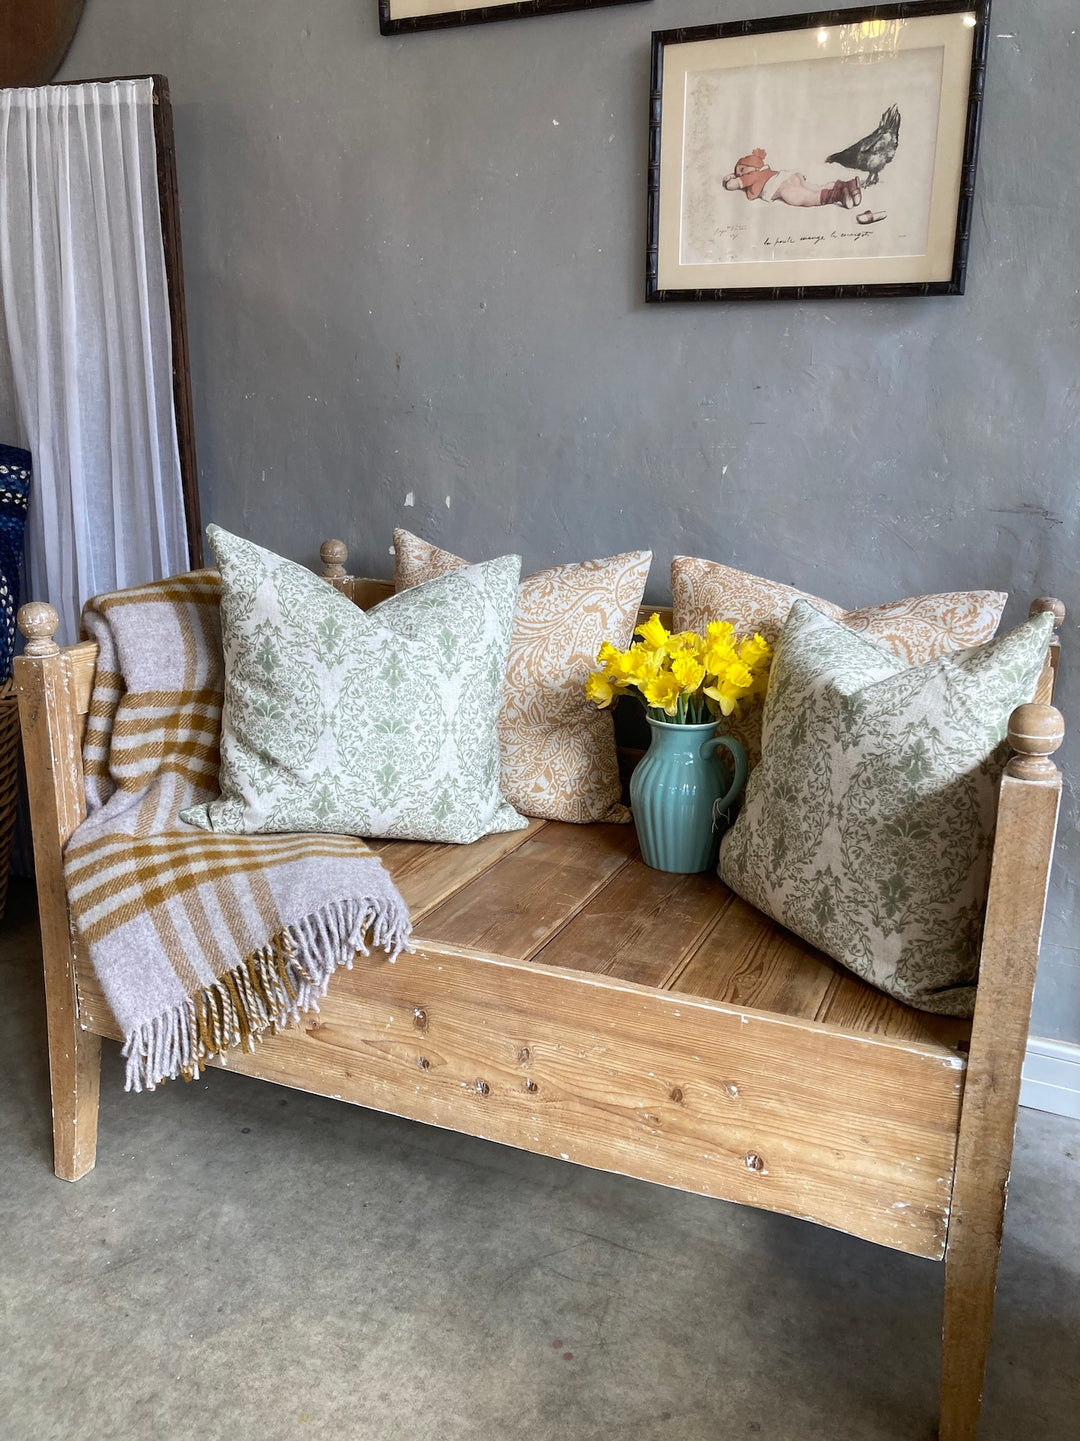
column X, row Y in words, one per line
column 567, row 999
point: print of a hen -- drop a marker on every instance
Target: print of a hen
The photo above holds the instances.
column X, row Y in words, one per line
column 874, row 151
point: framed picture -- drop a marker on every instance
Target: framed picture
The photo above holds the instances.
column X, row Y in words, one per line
column 398, row 17
column 827, row 155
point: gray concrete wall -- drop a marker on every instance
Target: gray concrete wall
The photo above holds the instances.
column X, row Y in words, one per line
column 415, row 270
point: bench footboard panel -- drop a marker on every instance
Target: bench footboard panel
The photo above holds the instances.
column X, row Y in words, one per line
column 852, row 1131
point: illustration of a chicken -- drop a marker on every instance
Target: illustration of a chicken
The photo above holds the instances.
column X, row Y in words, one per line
column 874, row 151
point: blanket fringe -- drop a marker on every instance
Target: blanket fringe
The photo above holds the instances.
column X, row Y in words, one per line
column 266, row 990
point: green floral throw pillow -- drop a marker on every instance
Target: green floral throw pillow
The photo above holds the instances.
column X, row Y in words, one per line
column 867, row 828
column 377, row 723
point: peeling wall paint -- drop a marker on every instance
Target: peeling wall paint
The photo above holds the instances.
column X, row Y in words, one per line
column 415, row 270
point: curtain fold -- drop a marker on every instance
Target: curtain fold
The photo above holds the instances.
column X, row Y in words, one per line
column 84, row 322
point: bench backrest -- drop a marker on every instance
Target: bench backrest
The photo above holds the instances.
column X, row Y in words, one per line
column 364, row 591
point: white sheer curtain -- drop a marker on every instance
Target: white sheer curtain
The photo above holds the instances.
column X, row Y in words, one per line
column 84, row 319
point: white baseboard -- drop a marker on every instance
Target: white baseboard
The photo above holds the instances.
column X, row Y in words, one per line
column 1051, row 1077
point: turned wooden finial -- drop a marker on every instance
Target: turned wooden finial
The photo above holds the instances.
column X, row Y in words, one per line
column 38, row 622
column 334, row 554
column 1050, row 603
column 1035, row 732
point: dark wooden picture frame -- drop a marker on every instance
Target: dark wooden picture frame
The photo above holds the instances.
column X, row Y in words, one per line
column 169, row 199
column 404, row 24
column 850, row 226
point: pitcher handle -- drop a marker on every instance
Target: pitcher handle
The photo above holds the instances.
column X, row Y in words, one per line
column 738, row 756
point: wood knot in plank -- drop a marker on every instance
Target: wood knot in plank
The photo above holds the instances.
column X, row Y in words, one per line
column 676, row 1094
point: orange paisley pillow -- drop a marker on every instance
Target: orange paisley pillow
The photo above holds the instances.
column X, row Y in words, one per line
column 918, row 629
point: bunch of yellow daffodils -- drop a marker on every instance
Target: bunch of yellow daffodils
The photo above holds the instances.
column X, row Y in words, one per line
column 682, row 676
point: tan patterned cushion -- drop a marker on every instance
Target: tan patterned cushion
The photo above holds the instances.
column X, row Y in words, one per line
column 557, row 749
column 919, row 629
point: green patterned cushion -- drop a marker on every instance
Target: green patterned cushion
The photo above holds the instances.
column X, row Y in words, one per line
column 867, row 828
column 377, row 723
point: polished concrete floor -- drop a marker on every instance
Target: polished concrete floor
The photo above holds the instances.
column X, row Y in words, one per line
column 249, row 1263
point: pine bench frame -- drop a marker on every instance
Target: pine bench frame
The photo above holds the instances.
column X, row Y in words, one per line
column 533, row 1012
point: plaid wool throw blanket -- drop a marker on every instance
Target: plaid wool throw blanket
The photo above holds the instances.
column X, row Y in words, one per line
column 200, row 941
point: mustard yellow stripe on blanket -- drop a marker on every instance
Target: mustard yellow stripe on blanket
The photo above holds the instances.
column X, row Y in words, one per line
column 184, row 732
column 98, row 886
column 120, row 859
column 165, row 702
column 196, row 586
column 194, row 843
column 194, row 773
column 194, row 748
column 105, row 680
column 102, row 911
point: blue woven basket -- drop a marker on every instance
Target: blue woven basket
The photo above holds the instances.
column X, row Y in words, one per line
column 14, row 494
column 15, row 471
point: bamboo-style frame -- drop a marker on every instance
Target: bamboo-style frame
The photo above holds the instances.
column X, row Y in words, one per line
column 632, row 1078
column 393, row 22
column 667, row 278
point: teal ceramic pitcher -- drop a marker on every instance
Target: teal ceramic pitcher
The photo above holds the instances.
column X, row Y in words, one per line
column 679, row 791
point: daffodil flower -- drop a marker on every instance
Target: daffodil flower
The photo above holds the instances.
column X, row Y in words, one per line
column 663, row 693
column 618, row 664
column 687, row 670
column 670, row 670
column 600, row 690
column 727, row 703
column 718, row 655
column 644, row 664
column 754, row 650
column 654, row 633
column 685, row 642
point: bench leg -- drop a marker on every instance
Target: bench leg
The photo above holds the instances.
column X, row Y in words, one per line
column 75, row 1074
column 971, row 1264
column 54, row 783
column 1019, row 874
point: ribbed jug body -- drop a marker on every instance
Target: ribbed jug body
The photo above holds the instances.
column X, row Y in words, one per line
column 678, row 788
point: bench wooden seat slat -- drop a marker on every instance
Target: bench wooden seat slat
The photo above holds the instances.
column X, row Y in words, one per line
column 746, row 960
column 517, row 906
column 853, row 1004
column 426, row 875
column 640, row 927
